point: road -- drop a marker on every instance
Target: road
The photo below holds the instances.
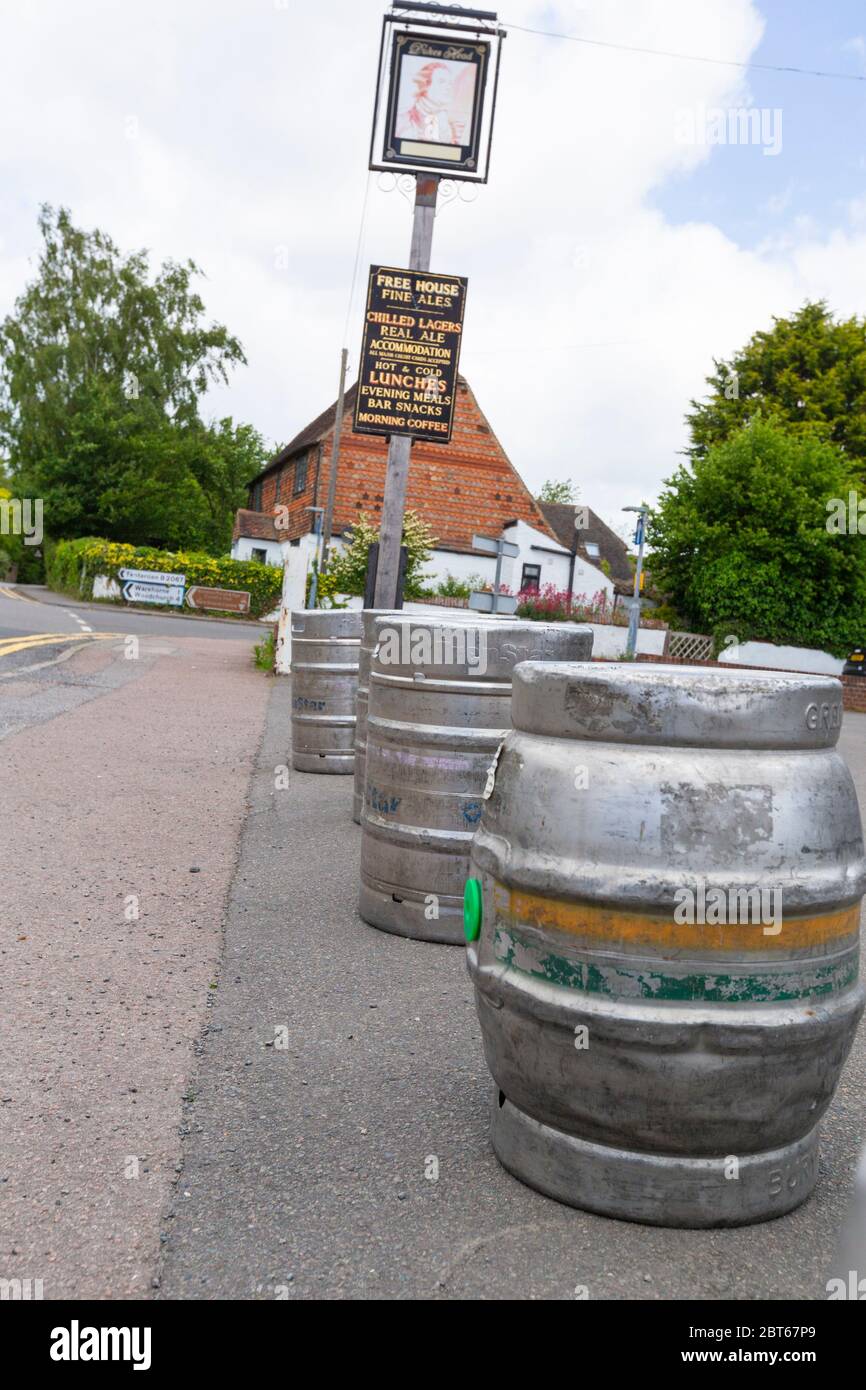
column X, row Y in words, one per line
column 175, row 907
column 47, row 609
column 125, row 773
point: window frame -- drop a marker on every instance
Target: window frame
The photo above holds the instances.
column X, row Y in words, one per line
column 299, row 481
column 536, row 588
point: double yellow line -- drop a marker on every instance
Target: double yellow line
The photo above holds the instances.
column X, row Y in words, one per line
column 8, row 645
column 6, row 592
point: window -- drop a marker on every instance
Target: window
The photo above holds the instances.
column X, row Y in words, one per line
column 531, row 577
column 300, row 475
column 592, row 550
column 260, row 555
column 256, row 497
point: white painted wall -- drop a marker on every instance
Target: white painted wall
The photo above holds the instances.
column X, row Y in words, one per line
column 103, row 587
column 806, row 659
column 243, row 547
column 296, row 563
column 445, row 562
column 553, row 559
column 535, row 549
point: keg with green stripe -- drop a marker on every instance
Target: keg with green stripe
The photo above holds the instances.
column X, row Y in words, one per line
column 663, row 928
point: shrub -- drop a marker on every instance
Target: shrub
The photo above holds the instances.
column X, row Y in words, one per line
column 347, row 572
column 264, row 653
column 451, row 587
column 73, row 565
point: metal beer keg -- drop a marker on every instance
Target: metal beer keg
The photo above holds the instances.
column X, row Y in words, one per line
column 368, row 642
column 439, row 707
column 663, row 919
column 325, row 647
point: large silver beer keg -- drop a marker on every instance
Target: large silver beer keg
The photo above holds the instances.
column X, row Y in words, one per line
column 368, row 642
column 325, row 646
column 663, row 918
column 439, row 707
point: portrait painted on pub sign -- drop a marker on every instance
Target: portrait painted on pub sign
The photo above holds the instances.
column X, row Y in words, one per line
column 435, row 102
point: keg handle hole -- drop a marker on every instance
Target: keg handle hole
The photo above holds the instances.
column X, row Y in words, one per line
column 501, row 1099
column 395, row 899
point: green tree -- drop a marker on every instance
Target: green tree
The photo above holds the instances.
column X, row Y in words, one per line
column 102, row 371
column 11, row 544
column 566, row 492
column 808, row 370
column 740, row 541
column 180, row 488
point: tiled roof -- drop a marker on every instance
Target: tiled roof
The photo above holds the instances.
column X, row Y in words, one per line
column 258, row 526
column 611, row 548
column 312, row 433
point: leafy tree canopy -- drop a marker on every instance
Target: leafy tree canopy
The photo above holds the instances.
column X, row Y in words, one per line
column 566, row 492
column 102, row 371
column 808, row 370
column 741, row 543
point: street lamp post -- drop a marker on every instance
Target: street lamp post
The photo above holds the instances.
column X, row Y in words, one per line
column 634, row 613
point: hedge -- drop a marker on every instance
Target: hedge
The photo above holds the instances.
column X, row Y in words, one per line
column 73, row 565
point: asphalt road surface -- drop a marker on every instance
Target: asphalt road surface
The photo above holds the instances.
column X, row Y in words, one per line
column 215, row 1080
column 67, row 615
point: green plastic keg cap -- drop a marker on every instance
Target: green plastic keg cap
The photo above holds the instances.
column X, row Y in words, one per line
column 472, row 909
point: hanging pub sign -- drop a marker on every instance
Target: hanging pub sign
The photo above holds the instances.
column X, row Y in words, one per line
column 435, row 101
column 413, row 324
column 434, row 105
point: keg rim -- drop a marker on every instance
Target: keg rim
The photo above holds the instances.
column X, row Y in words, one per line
column 667, row 704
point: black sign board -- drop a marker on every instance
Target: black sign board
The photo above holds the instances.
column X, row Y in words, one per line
column 435, row 102
column 411, row 349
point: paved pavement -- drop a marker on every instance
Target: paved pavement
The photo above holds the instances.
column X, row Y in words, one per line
column 305, row 1166
column 125, row 771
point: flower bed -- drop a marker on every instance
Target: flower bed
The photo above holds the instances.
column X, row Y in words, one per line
column 552, row 605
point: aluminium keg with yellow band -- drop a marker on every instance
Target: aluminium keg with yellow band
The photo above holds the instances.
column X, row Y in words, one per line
column 663, row 927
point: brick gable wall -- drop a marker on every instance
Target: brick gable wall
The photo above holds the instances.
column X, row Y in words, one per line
column 458, row 488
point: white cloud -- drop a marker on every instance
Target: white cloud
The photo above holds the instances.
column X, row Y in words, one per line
column 591, row 321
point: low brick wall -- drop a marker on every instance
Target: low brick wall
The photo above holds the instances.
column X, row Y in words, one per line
column 853, row 687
